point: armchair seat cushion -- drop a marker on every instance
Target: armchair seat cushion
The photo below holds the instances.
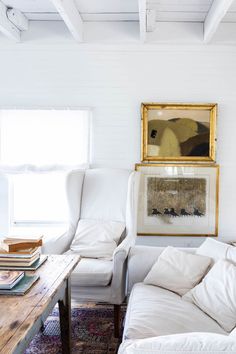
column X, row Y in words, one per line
column 154, row 311
column 92, row 272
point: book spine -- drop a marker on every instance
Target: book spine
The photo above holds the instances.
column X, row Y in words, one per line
column 22, row 246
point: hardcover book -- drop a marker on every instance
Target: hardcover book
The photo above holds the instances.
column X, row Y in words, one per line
column 19, row 261
column 19, row 254
column 33, row 267
column 9, row 278
column 22, row 287
column 11, row 244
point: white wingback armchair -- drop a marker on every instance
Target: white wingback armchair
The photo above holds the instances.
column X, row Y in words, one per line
column 108, row 195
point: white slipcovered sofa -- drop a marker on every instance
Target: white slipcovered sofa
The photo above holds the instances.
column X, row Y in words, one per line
column 161, row 321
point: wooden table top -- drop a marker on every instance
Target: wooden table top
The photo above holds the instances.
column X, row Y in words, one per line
column 18, row 313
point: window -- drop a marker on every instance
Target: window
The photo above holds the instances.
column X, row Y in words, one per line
column 46, row 143
column 38, row 199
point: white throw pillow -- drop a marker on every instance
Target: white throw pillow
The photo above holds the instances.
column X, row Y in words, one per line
column 194, row 343
column 177, row 271
column 216, row 294
column 212, row 248
column 231, row 254
column 96, row 238
column 217, row 250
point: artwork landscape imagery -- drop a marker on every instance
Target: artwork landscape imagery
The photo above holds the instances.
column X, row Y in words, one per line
column 176, row 197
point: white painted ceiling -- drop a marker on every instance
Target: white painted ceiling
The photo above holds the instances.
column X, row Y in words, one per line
column 123, row 10
column 90, row 10
column 172, row 13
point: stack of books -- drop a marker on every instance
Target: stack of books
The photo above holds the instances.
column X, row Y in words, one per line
column 15, row 282
column 21, row 253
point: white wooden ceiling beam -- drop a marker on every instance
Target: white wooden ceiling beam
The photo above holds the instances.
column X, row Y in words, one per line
column 6, row 26
column 216, row 13
column 18, row 19
column 143, row 20
column 71, row 16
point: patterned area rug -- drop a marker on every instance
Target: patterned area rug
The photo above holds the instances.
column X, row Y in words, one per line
column 92, row 332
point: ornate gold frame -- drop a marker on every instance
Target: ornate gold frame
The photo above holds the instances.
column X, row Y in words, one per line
column 212, row 107
column 137, row 165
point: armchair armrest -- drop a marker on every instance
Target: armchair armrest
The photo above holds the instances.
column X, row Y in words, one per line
column 194, row 343
column 57, row 241
column 120, row 255
column 123, row 247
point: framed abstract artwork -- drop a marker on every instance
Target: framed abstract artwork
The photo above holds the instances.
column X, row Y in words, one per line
column 178, row 200
column 178, row 132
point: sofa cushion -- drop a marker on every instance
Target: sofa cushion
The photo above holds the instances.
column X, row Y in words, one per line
column 187, row 343
column 153, row 311
column 216, row 250
column 91, row 272
column 177, row 271
column 97, row 238
column 216, row 294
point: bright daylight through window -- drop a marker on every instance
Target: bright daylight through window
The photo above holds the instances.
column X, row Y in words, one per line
column 49, row 142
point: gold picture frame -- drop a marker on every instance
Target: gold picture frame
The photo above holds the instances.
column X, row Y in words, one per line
column 178, row 132
column 178, row 200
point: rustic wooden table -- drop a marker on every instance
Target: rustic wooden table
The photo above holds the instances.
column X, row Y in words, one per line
column 21, row 317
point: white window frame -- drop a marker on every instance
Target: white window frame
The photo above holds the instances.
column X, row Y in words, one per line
column 29, row 223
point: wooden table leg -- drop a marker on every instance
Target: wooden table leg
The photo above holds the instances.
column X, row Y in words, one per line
column 65, row 319
column 117, row 310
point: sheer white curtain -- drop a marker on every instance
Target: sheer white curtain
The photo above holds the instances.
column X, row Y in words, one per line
column 34, row 138
column 37, row 148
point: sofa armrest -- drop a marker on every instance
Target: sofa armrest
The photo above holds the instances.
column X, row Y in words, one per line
column 186, row 343
column 141, row 260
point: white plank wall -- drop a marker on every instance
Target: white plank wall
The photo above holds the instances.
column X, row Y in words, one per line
column 114, row 81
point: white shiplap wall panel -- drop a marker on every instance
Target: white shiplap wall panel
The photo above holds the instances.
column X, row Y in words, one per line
column 56, row 72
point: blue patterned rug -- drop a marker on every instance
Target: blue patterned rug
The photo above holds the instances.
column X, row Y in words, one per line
column 92, row 332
